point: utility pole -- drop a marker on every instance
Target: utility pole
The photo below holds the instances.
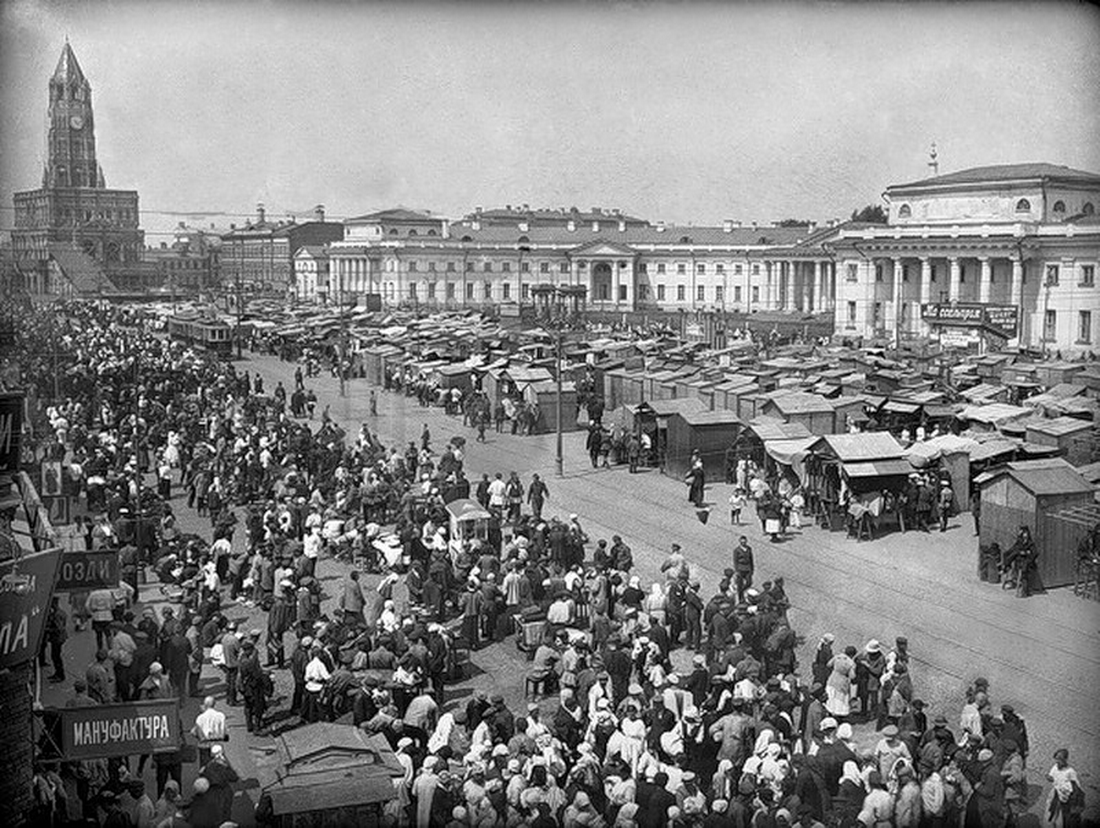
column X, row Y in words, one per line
column 343, row 337
column 557, row 403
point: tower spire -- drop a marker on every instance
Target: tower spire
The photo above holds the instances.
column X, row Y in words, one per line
column 68, row 69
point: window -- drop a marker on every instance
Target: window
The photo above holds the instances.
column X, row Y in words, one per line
column 544, row 267
column 661, row 267
column 506, row 267
column 851, row 313
column 431, row 266
column 431, row 290
column 525, row 267
column 1088, row 275
column 412, row 291
column 700, row 293
column 853, row 273
column 450, row 290
column 1050, row 324
column 412, row 267
column 506, row 290
column 469, row 291
column 469, row 267
column 525, row 291
column 737, row 270
column 1059, row 206
column 719, row 294
column 719, row 268
column 622, row 293
column 756, row 270
column 681, row 293
column 878, row 273
column 1052, row 275
column 904, row 211
column 412, row 232
column 737, row 295
column 905, row 273
column 660, row 293
column 1023, row 206
column 700, row 268
column 393, row 232
column 1084, row 327
column 643, row 268
column 432, row 233
column 756, row 295
column 681, row 268
column 487, row 267
column 487, row 290
column 1088, row 209
column 643, row 293
column 603, row 292
column 564, row 267
column 877, row 310
column 450, row 267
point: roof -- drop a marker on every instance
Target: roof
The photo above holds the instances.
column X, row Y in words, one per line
column 325, row 765
column 1059, row 426
column 68, row 69
column 396, row 215
column 466, row 508
column 1045, row 477
column 870, row 445
column 608, row 232
column 666, row 408
column 773, row 430
column 82, row 271
column 993, row 413
column 800, row 403
column 893, row 467
column 1006, row 172
column 992, row 448
column 709, row 418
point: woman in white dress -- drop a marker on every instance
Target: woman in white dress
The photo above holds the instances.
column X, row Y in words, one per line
column 838, row 688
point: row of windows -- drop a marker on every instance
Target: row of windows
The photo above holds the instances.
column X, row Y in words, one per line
column 701, row 268
column 68, row 215
column 1022, row 206
column 432, row 290
column 1084, row 326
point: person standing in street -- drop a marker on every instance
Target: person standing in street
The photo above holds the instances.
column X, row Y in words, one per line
column 231, row 653
column 946, row 503
column 57, row 631
column 536, row 496
column 209, row 729
column 743, row 567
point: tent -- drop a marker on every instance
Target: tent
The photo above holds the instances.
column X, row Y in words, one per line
column 953, row 454
column 1037, row 494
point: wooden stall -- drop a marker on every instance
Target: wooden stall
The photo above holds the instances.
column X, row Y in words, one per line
column 710, row 433
column 1032, row 493
column 545, row 394
column 1076, row 440
column 813, row 411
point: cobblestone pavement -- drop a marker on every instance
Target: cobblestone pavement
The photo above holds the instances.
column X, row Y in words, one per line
column 1040, row 654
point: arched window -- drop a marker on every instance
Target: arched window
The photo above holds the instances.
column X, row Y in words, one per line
column 904, row 211
column 413, row 232
column 1023, row 206
column 524, row 240
column 467, row 238
column 393, row 232
column 1059, row 206
column 1088, row 209
column 685, row 239
column 432, row 233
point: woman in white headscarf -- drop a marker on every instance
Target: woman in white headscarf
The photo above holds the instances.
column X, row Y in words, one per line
column 627, row 816
column 655, row 604
column 774, row 768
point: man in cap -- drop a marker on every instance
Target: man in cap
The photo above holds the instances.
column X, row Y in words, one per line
column 889, row 749
column 231, row 653
column 743, row 567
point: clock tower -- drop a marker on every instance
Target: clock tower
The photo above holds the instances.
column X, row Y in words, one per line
column 73, row 230
column 72, row 160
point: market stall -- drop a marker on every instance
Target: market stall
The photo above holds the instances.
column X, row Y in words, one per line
column 706, row 433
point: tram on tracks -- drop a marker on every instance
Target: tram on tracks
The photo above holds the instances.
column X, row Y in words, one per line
column 209, row 334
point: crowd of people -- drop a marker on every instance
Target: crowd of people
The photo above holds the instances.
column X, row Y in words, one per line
column 652, row 704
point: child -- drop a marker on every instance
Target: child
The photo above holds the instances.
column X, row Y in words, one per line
column 737, row 503
column 798, row 503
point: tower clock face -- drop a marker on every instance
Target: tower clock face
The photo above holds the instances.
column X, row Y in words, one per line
column 76, row 122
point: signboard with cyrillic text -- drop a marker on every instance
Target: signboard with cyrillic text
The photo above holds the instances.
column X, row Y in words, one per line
column 1001, row 320
column 26, row 586
column 11, row 432
column 120, row 729
column 85, row 571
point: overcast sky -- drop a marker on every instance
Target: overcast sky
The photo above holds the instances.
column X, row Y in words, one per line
column 681, row 112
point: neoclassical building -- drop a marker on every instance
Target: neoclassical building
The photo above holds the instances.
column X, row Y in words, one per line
column 625, row 263
column 974, row 242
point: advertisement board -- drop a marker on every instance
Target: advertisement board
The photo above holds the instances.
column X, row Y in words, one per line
column 120, row 729
column 26, row 586
column 1001, row 320
column 11, row 431
column 85, row 571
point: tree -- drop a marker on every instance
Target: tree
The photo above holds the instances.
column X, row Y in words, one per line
column 871, row 214
column 793, row 222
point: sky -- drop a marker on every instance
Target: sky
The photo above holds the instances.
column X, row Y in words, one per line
column 681, row 112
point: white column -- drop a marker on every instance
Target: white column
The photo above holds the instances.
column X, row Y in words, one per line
column 985, row 275
column 953, row 284
column 616, row 281
column 896, row 299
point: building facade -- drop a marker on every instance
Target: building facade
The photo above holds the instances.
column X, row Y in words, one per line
column 965, row 245
column 190, row 265
column 498, row 257
column 74, row 209
column 259, row 257
column 311, row 274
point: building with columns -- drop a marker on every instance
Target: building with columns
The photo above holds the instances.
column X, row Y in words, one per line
column 498, row 257
column 970, row 243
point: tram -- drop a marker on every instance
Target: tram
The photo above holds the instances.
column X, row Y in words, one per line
column 209, row 334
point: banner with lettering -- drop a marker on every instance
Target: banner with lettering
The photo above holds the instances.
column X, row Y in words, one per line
column 26, row 586
column 85, row 571
column 120, row 729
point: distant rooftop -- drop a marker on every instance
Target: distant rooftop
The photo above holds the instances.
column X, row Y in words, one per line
column 1007, row 172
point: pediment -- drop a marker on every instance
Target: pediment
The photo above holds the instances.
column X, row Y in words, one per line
column 599, row 247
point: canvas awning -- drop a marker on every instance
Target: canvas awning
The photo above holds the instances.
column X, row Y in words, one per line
column 898, row 407
column 788, row 451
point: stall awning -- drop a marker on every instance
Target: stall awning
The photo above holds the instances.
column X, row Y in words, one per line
column 787, row 451
column 894, row 467
column 901, row 407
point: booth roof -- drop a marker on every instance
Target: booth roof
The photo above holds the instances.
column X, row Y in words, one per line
column 1052, row 476
column 466, row 508
column 1059, row 426
column 666, row 408
column 768, row 429
column 870, row 445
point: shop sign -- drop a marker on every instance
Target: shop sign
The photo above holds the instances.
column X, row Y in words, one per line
column 85, row 571
column 120, row 729
column 11, row 431
column 26, row 586
column 1001, row 320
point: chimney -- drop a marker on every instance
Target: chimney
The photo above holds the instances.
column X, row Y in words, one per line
column 164, row 245
column 526, row 207
column 477, row 211
column 524, row 226
column 595, row 227
column 231, row 226
column 259, row 212
column 475, row 224
column 571, row 226
column 811, row 227
column 660, row 227
column 727, row 226
column 508, row 207
column 754, row 227
column 319, row 212
column 622, row 226
column 830, row 223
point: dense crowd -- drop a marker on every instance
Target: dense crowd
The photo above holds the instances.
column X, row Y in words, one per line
column 652, row 704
